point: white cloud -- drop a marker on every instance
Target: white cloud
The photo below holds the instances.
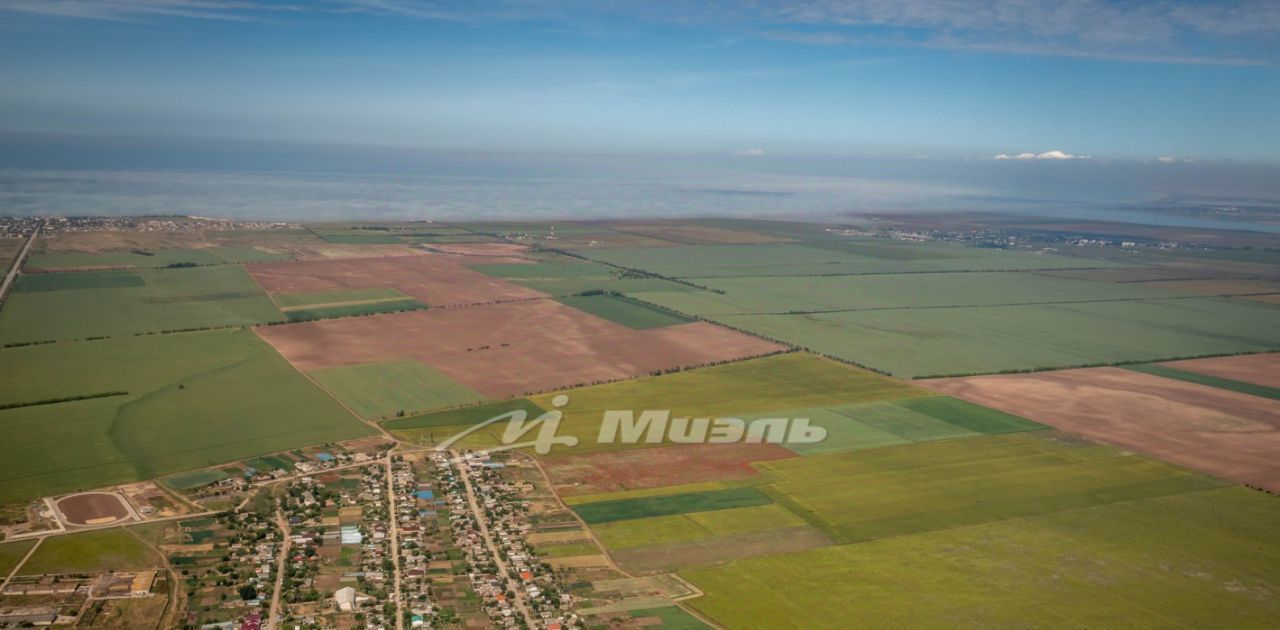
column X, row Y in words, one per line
column 1047, row 155
column 750, row 152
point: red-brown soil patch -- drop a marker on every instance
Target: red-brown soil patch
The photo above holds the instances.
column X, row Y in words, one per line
column 1259, row 369
column 433, row 279
column 92, row 508
column 1224, row 433
column 511, row 349
column 614, row 471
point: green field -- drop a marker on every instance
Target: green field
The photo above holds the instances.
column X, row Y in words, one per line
column 328, row 298
column 381, row 390
column 353, row 310
column 672, row 618
column 564, row 276
column 1200, row 559
column 94, row 304
column 152, row 259
column 780, row 382
column 786, row 259
column 878, row 493
column 609, row 511
column 656, row 530
column 90, row 552
column 873, row 292
column 623, row 310
column 1163, row 371
column 42, row 282
column 195, row 478
column 886, row 423
column 917, row 342
column 12, row 553
column 195, row 400
column 465, row 416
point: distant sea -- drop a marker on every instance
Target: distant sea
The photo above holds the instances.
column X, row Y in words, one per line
column 70, row 175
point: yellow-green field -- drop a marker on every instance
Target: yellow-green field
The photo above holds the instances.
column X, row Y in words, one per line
column 1199, row 559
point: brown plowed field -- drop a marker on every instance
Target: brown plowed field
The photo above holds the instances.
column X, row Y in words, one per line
column 433, row 279
column 1259, row 369
column 92, row 508
column 614, row 471
column 1224, row 433
column 511, row 349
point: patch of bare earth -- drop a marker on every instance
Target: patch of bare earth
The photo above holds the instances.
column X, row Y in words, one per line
column 1224, row 433
column 511, row 349
column 433, row 279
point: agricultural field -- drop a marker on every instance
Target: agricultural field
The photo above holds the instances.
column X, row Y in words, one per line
column 979, row 340
column 53, row 306
column 381, row 390
column 1259, row 369
column 633, row 314
column 776, row 383
column 1100, row 566
column 433, row 279
column 893, row 291
column 563, row 276
column 1219, row 431
column 148, row 258
column 788, row 259
column 186, row 400
column 502, row 350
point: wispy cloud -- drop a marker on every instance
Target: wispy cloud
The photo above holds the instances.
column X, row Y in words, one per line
column 1231, row 32
column 135, row 9
column 1047, row 155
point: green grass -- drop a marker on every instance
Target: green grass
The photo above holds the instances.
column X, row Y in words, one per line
column 623, row 310
column 268, row 463
column 778, row 382
column 169, row 299
column 322, row 298
column 95, row 551
column 380, row 390
column 37, row 283
column 195, row 400
column 918, row 342
column 609, row 511
column 353, row 310
column 877, row 493
column 194, row 479
column 1200, row 559
column 1242, row 387
column 672, row 617
column 12, row 553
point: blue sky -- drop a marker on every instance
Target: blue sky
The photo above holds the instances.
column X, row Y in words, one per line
column 1174, row 78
